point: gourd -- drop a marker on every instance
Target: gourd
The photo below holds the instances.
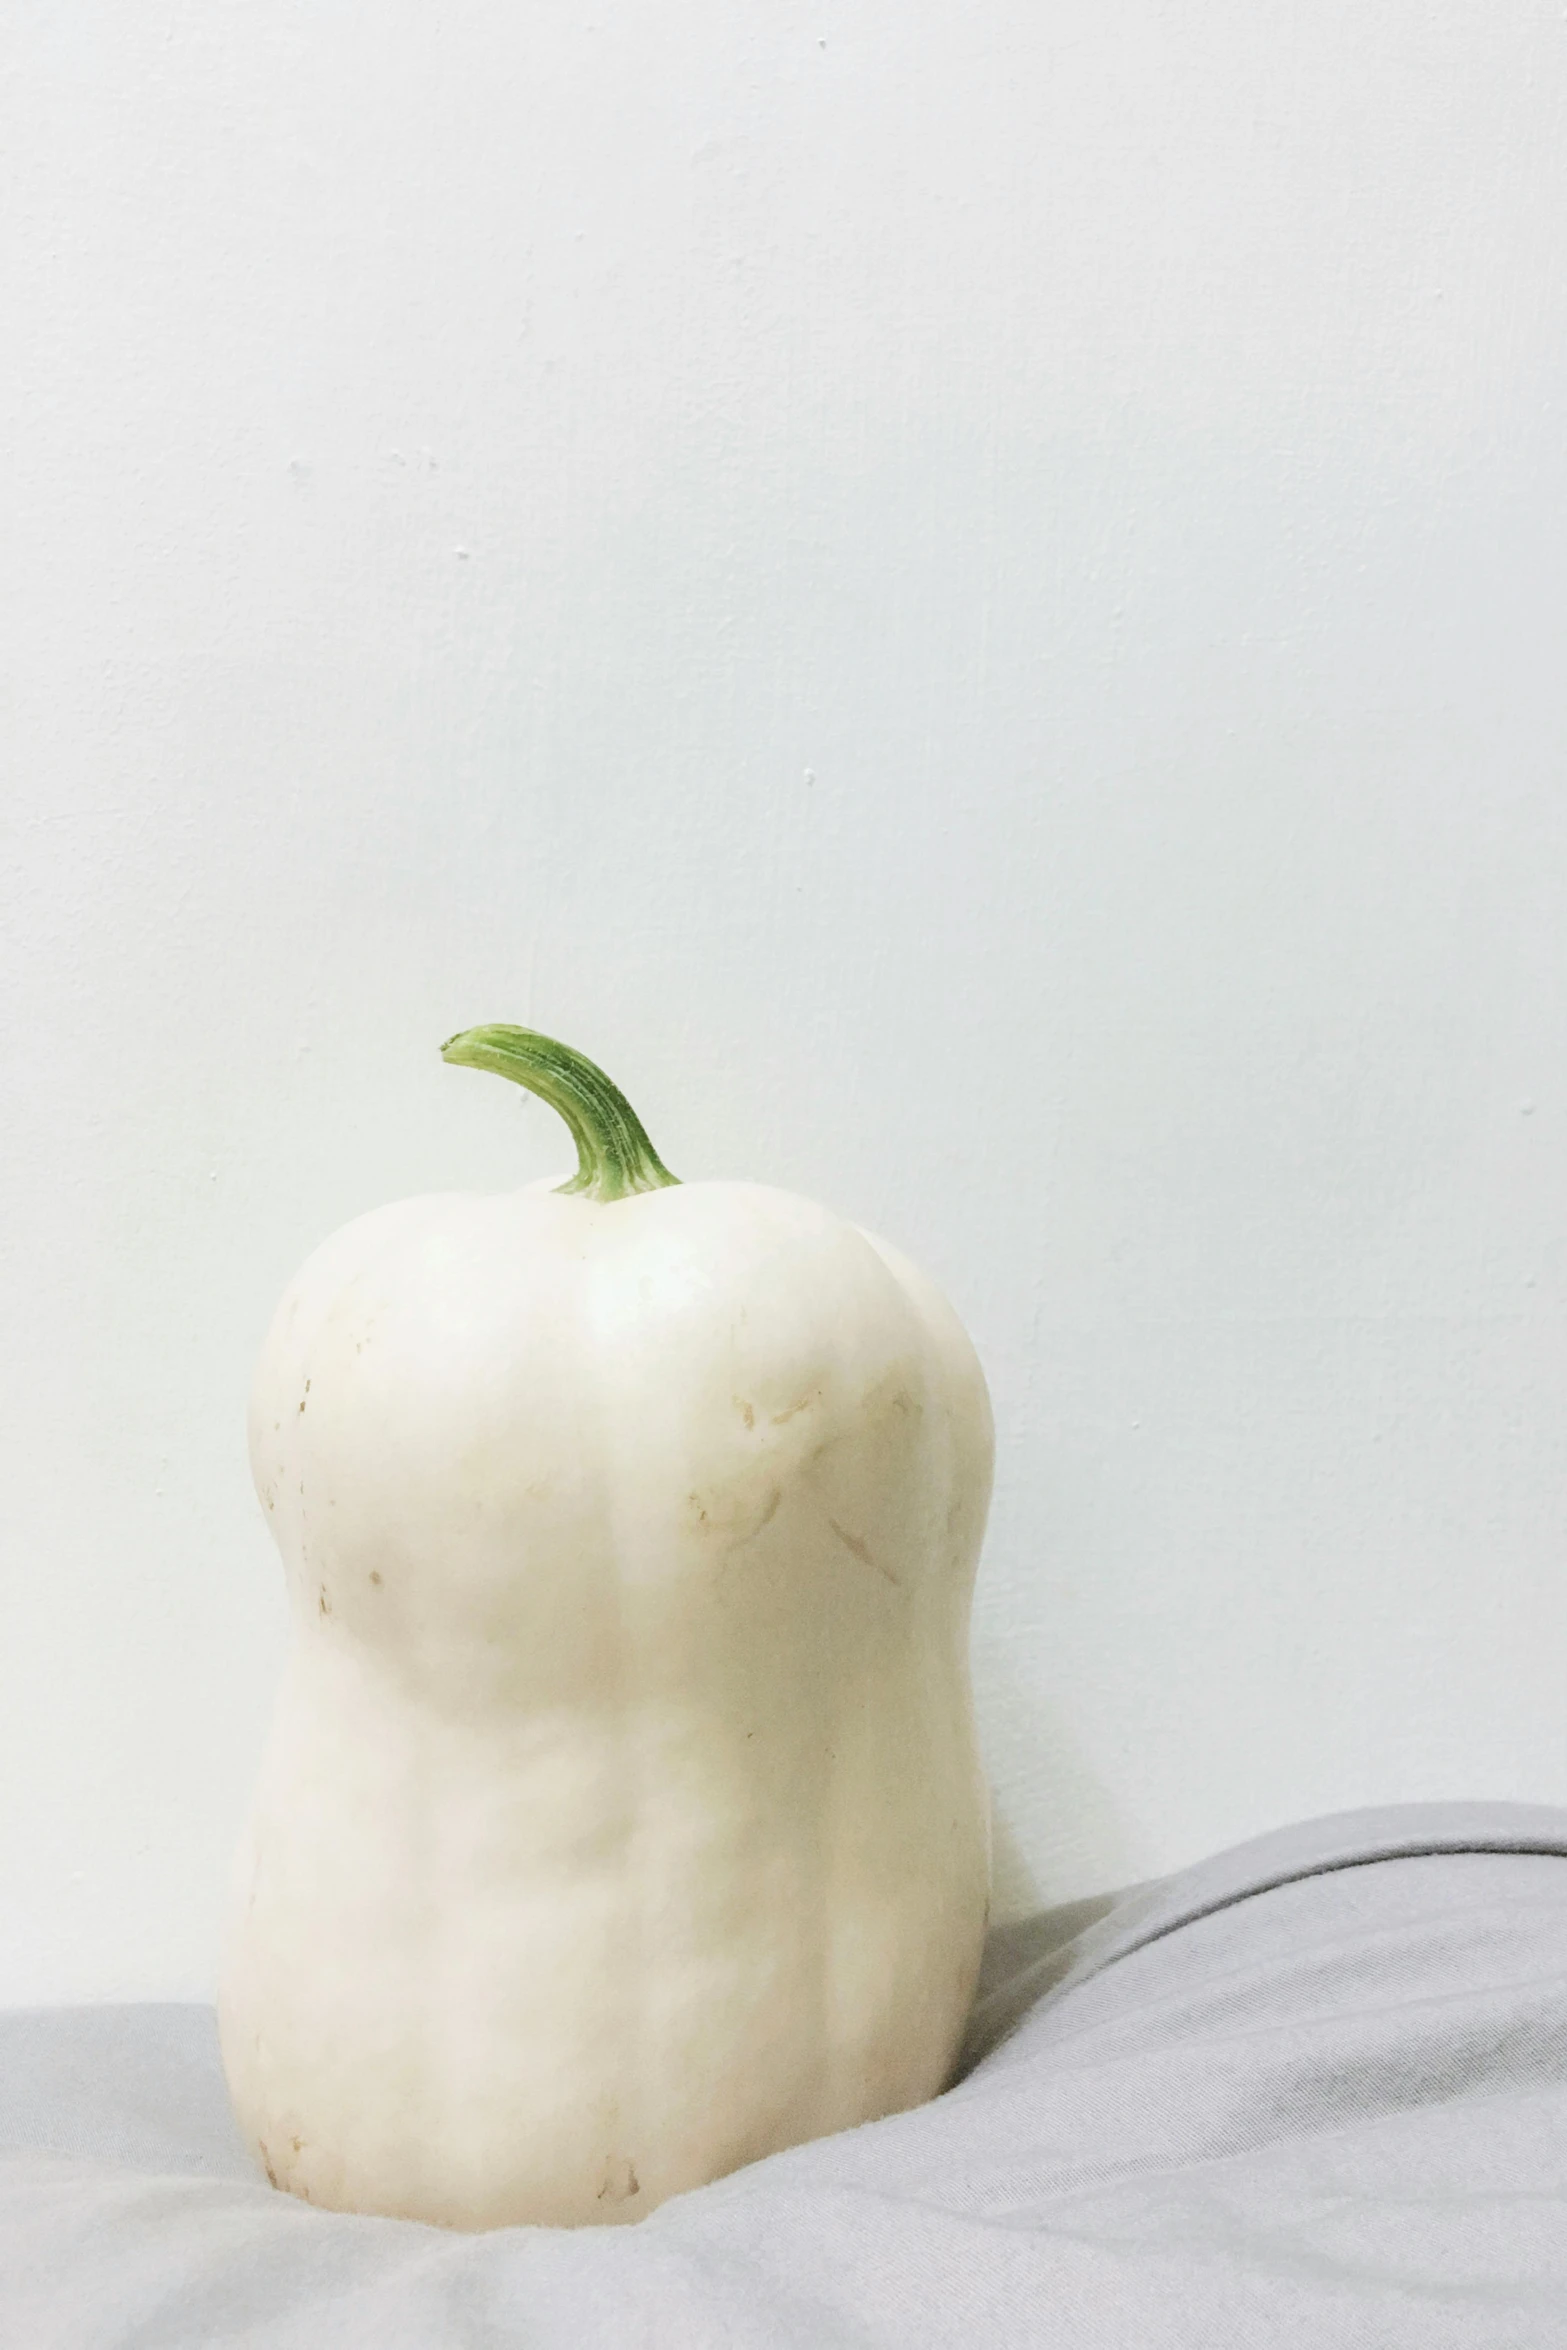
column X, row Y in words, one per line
column 621, row 1820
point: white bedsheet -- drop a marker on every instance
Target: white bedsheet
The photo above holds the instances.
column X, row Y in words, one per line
column 1311, row 2092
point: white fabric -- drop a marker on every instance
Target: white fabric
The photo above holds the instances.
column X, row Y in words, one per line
column 1311, row 2092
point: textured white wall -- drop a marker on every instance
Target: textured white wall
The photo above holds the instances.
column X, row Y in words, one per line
column 973, row 599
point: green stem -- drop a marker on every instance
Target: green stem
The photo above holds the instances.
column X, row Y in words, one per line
column 614, row 1155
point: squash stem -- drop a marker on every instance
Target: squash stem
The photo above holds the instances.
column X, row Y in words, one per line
column 614, row 1155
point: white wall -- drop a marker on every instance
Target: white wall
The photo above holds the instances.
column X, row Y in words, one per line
column 973, row 599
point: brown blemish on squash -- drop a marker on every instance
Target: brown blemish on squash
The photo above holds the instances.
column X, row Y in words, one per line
column 375, row 1574
column 859, row 1548
column 325, row 1603
column 620, row 2180
column 734, row 1516
column 747, row 1412
column 804, row 1404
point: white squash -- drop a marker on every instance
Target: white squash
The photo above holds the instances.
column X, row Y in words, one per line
column 621, row 1821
